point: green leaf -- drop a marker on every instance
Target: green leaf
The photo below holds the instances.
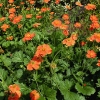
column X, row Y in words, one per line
column 98, row 84
column 3, row 74
column 42, row 98
column 49, row 93
column 6, row 60
column 17, row 57
column 85, row 90
column 68, row 95
column 98, row 94
column 19, row 73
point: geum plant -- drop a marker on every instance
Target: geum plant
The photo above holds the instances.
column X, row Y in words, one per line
column 48, row 53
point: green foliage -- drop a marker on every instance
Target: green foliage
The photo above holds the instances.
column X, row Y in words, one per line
column 45, row 52
column 85, row 90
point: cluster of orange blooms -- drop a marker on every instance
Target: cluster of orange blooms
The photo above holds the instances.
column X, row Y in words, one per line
column 71, row 40
column 95, row 24
column 42, row 51
column 15, row 93
column 56, row 1
column 63, row 26
column 95, row 37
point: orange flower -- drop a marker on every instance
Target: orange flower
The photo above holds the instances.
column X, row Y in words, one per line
column 34, row 64
column 9, row 38
column 38, row 16
column 65, row 16
column 12, row 10
column 68, row 42
column 13, row 88
column 74, row 36
column 2, row 19
column 98, row 63
column 29, row 16
column 43, row 50
column 91, row 54
column 4, row 27
column 31, row 2
column 1, row 4
column 11, row 16
column 77, row 25
column 63, row 26
column 93, row 18
column 78, row 3
column 57, row 1
column 67, row 22
column 28, row 36
column 82, row 43
column 13, row 96
column 22, row 3
column 90, row 7
column 95, row 25
column 46, row 1
column 68, row 7
column 44, row 9
column 51, row 13
column 17, row 19
column 11, row 1
column 36, row 25
column 34, row 95
column 56, row 23
column 65, row 32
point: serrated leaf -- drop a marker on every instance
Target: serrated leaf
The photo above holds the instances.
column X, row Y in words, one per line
column 3, row 74
column 49, row 93
column 85, row 90
column 7, row 62
column 17, row 57
column 98, row 84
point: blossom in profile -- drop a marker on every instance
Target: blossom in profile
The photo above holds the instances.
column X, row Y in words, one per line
column 91, row 54
column 78, row 3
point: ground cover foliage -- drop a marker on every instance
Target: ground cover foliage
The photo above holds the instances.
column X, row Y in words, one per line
column 49, row 50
